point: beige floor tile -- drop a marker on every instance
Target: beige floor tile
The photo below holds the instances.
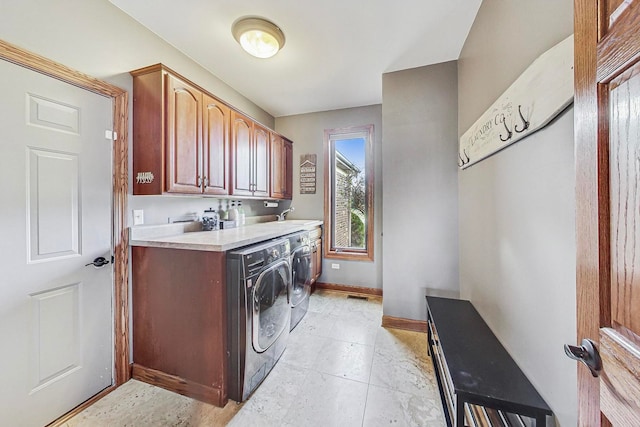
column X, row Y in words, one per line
column 338, row 360
column 326, row 401
column 402, row 373
column 345, row 359
column 136, row 404
column 303, row 349
column 389, row 407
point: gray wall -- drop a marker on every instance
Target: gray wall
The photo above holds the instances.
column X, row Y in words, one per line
column 307, row 133
column 420, row 174
column 517, row 238
column 97, row 38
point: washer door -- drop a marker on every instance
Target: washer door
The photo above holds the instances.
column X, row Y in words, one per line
column 271, row 308
column 301, row 278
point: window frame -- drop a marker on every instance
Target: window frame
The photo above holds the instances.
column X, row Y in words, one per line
column 330, row 251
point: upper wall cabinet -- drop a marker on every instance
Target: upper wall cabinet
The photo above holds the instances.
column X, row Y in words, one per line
column 187, row 141
column 250, row 157
column 282, row 167
column 180, row 134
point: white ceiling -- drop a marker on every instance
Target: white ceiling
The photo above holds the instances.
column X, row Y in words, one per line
column 335, row 52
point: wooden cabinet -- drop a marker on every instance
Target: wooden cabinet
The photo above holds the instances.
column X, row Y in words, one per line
column 181, row 136
column 315, row 238
column 186, row 141
column 180, row 318
column 215, row 139
column 184, row 136
column 250, row 171
column 282, row 167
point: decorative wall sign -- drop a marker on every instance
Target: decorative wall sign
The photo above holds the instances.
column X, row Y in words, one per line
column 308, row 174
column 540, row 93
column 144, row 178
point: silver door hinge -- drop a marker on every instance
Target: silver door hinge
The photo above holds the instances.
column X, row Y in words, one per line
column 112, row 135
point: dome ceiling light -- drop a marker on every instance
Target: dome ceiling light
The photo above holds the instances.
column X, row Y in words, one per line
column 257, row 36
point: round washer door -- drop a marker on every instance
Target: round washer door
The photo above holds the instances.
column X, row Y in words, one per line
column 271, row 308
column 301, row 277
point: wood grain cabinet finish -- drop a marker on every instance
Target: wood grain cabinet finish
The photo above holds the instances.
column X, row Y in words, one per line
column 187, row 141
column 282, row 167
column 315, row 237
column 179, row 331
column 251, row 163
column 184, row 136
column 181, row 136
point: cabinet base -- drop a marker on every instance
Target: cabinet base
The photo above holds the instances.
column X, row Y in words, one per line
column 179, row 385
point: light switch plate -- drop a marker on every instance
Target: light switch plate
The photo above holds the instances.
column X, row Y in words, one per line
column 335, row 266
column 138, row 217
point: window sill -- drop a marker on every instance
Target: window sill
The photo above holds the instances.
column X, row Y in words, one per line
column 349, row 256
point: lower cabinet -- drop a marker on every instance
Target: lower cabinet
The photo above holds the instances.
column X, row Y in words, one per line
column 179, row 321
column 315, row 237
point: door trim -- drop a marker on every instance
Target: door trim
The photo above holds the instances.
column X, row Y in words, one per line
column 120, row 232
column 592, row 195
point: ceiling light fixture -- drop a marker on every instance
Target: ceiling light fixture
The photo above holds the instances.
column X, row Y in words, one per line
column 257, row 36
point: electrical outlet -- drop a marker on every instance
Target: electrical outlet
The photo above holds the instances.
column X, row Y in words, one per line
column 138, row 217
column 335, row 266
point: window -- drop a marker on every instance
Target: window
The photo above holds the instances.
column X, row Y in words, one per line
column 348, row 193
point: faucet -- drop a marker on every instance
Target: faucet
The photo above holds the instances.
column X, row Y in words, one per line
column 281, row 217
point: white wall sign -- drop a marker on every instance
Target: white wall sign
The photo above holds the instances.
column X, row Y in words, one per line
column 540, row 93
column 308, row 174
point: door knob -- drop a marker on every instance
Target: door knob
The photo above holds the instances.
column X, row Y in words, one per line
column 587, row 353
column 98, row 262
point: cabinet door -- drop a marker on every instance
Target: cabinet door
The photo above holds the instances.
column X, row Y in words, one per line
column 278, row 162
column 262, row 161
column 242, row 164
column 215, row 135
column 316, row 260
column 184, row 137
column 288, row 169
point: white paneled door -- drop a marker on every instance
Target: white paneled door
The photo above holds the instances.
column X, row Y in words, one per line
column 56, row 319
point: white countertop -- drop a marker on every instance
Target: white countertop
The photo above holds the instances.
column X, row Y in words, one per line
column 175, row 236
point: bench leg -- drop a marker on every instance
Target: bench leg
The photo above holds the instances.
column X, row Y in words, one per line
column 459, row 412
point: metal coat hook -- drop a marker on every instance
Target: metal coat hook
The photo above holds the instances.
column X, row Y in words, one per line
column 525, row 122
column 509, row 133
column 462, row 161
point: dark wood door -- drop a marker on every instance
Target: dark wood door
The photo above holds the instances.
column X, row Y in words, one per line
column 277, row 167
column 242, row 164
column 215, row 134
column 184, row 137
column 261, row 161
column 607, row 109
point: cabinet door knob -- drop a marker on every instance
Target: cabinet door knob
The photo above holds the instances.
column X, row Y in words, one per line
column 206, row 182
column 199, row 181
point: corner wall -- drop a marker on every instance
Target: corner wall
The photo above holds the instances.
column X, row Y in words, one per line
column 420, row 209
column 517, row 208
column 307, row 133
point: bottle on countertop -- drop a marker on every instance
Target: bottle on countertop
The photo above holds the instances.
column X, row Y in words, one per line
column 222, row 213
column 241, row 216
column 233, row 212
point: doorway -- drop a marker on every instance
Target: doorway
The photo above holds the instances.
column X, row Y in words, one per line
column 118, row 232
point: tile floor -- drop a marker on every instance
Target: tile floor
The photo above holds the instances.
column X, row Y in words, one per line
column 341, row 368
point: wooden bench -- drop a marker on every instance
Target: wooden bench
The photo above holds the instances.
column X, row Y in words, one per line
column 480, row 384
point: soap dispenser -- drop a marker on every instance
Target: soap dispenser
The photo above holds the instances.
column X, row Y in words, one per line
column 233, row 212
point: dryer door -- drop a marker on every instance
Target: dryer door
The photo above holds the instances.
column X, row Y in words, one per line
column 301, row 278
column 271, row 308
